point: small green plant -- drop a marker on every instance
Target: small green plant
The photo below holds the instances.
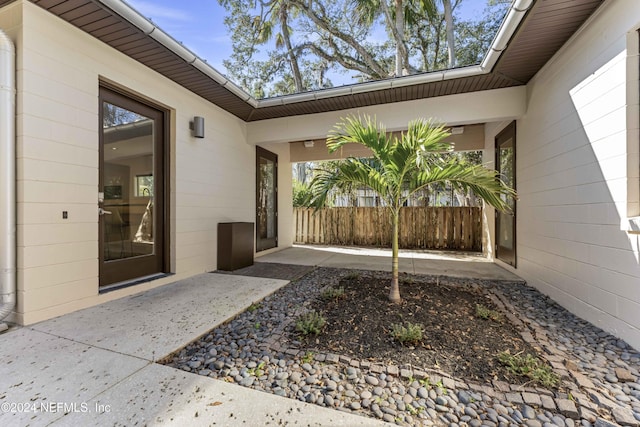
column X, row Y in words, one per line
column 333, row 293
column 407, row 280
column 531, row 367
column 414, row 411
column 442, row 388
column 425, row 382
column 410, row 333
column 308, row 357
column 352, row 275
column 253, row 307
column 487, row 314
column 257, row 325
column 258, row 371
column 310, row 323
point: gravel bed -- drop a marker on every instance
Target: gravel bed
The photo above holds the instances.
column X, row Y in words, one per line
column 600, row 385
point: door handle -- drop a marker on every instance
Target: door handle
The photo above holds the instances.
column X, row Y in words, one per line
column 103, row 212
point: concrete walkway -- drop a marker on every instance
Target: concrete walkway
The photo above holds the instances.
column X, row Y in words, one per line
column 437, row 263
column 97, row 366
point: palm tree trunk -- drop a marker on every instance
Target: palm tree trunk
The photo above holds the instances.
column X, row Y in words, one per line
column 448, row 18
column 394, row 294
column 400, row 30
column 293, row 59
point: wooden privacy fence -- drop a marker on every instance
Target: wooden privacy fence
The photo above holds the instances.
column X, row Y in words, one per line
column 454, row 228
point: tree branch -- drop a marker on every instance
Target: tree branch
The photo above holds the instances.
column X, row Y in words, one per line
column 346, row 61
column 375, row 69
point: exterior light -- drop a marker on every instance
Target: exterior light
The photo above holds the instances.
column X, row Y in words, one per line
column 197, row 127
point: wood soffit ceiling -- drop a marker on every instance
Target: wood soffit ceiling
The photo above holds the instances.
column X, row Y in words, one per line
column 545, row 29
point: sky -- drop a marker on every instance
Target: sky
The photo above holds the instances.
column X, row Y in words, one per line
column 199, row 25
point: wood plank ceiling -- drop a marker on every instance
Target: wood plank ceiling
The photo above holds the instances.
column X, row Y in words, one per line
column 546, row 27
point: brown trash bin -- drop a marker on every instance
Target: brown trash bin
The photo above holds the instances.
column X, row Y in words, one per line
column 235, row 245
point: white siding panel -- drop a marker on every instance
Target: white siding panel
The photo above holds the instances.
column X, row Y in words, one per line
column 59, row 173
column 51, row 213
column 575, row 169
column 59, row 152
column 50, row 234
column 52, row 296
column 59, row 74
column 629, row 312
column 57, row 274
column 59, row 253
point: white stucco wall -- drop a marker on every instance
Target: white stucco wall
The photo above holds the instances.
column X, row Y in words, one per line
column 577, row 174
column 212, row 179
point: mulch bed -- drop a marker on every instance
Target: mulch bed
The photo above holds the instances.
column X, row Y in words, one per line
column 457, row 341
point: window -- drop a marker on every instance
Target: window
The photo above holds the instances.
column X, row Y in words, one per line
column 144, row 185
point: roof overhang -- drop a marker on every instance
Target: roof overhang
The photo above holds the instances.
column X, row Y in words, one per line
column 530, row 35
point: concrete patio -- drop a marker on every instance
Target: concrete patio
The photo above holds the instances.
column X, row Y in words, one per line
column 437, row 263
column 97, row 366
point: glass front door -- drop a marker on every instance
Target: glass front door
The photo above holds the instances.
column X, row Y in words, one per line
column 506, row 221
column 131, row 202
column 266, row 199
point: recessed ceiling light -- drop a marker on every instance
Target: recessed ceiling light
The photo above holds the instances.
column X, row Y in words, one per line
column 114, row 148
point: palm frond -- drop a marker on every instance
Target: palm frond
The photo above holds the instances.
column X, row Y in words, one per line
column 366, row 10
column 364, row 131
column 279, row 41
column 429, row 8
column 265, row 30
column 427, row 136
column 484, row 182
column 400, row 167
column 352, row 171
column 421, row 139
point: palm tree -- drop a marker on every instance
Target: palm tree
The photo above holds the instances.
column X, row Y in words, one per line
column 279, row 12
column 407, row 12
column 397, row 16
column 399, row 168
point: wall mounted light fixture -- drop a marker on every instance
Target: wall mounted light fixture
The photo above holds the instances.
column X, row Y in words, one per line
column 197, row 127
column 308, row 144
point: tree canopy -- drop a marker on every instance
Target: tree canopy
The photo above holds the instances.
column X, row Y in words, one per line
column 288, row 46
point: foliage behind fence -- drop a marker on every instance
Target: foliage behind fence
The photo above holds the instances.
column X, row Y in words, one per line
column 458, row 228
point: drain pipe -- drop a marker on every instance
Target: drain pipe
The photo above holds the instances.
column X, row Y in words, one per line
column 7, row 177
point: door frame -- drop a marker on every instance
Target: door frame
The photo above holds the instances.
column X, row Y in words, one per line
column 109, row 278
column 261, row 152
column 508, row 256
